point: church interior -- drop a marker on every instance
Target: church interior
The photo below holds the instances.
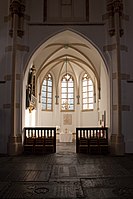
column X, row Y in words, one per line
column 66, row 104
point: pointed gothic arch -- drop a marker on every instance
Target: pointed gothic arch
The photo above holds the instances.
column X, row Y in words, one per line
column 83, row 55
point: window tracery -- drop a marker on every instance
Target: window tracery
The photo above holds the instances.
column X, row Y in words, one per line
column 87, row 93
column 67, row 93
column 47, row 93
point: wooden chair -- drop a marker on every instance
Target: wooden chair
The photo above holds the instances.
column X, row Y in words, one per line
column 83, row 145
column 103, row 146
column 93, row 146
column 39, row 145
column 49, row 145
column 29, row 145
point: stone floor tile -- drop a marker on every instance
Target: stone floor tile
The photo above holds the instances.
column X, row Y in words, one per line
column 66, row 174
column 36, row 190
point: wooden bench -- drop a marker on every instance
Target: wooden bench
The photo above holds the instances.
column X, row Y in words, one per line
column 83, row 146
column 94, row 146
column 92, row 140
column 29, row 145
column 49, row 145
column 39, row 145
column 39, row 140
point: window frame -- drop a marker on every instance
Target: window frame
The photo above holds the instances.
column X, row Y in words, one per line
column 46, row 91
column 68, row 93
column 88, row 91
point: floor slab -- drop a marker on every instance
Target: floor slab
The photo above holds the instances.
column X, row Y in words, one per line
column 66, row 174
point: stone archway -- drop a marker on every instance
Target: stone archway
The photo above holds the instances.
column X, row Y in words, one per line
column 83, row 55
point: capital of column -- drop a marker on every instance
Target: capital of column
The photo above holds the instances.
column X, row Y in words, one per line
column 115, row 7
column 22, row 9
column 118, row 6
column 15, row 7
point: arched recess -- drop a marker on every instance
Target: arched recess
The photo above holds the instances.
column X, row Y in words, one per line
column 82, row 56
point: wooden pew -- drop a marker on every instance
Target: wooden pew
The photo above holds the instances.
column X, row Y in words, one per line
column 39, row 147
column 83, row 146
column 94, row 146
column 29, row 145
column 92, row 140
column 39, row 140
column 49, row 145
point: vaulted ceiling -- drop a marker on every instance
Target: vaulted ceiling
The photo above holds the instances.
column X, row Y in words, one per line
column 67, row 51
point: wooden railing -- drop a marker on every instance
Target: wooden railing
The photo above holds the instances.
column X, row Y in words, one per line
column 40, row 139
column 92, row 140
column 88, row 140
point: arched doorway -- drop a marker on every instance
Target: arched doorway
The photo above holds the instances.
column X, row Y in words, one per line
column 68, row 53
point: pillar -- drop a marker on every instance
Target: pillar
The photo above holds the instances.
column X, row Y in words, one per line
column 114, row 16
column 14, row 146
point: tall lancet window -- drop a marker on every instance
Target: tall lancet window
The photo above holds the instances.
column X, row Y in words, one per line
column 87, row 93
column 67, row 93
column 47, row 93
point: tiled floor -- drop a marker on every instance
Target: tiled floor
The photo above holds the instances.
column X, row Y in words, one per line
column 66, row 174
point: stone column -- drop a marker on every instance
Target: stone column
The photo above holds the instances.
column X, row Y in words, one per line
column 115, row 10
column 119, row 142
column 15, row 138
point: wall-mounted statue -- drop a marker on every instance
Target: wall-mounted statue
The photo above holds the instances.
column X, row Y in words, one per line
column 31, row 89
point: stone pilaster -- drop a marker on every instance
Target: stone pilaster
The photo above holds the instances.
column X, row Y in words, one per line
column 115, row 29
column 14, row 145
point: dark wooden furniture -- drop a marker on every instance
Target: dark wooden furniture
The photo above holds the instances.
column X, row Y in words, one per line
column 39, row 140
column 29, row 145
column 39, row 145
column 93, row 140
column 83, row 145
column 94, row 145
column 49, row 145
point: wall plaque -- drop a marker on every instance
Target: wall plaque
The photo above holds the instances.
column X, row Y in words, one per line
column 67, row 119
